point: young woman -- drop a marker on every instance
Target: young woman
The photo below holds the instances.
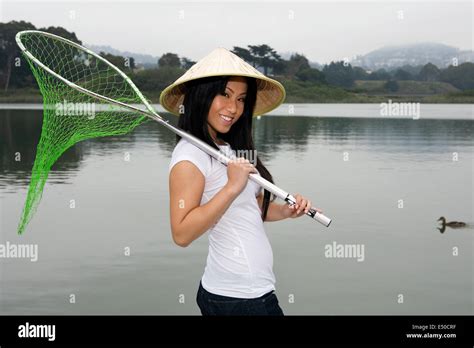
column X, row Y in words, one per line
column 216, row 100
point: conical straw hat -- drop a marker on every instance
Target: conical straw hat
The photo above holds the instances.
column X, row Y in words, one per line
column 222, row 62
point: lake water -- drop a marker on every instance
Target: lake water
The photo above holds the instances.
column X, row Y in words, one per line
column 383, row 180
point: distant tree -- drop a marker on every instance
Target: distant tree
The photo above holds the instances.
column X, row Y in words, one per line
column 380, row 74
column 413, row 70
column 429, row 72
column 391, row 86
column 339, row 74
column 14, row 70
column 156, row 79
column 186, row 63
column 131, row 63
column 280, row 67
column 461, row 76
column 402, row 75
column 63, row 33
column 244, row 54
column 295, row 64
column 169, row 60
column 360, row 74
column 123, row 63
column 311, row 75
column 264, row 56
column 10, row 55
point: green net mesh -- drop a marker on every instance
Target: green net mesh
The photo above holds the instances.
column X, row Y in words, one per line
column 70, row 116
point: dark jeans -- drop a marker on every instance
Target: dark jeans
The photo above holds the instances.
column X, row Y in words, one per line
column 211, row 304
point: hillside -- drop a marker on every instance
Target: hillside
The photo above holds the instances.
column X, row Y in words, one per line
column 391, row 57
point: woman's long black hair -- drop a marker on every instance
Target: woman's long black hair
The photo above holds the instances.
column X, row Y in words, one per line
column 198, row 97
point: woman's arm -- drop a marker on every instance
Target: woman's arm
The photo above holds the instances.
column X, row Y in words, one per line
column 274, row 212
column 189, row 220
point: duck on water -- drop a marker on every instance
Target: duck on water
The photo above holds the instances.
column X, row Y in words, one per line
column 452, row 224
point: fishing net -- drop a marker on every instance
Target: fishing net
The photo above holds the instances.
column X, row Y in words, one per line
column 71, row 115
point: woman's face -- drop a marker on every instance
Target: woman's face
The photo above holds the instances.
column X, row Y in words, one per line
column 227, row 108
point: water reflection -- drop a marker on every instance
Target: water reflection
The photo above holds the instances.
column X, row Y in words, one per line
column 20, row 131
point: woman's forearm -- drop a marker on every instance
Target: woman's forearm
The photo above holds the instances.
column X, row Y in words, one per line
column 275, row 212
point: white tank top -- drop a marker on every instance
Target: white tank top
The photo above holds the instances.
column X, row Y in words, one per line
column 240, row 259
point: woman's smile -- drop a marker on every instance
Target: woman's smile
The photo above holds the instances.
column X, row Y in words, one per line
column 226, row 119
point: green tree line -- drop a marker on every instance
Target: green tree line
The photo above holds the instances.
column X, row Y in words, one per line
column 296, row 72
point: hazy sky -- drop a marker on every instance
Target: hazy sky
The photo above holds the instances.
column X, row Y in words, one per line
column 321, row 30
